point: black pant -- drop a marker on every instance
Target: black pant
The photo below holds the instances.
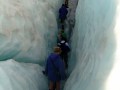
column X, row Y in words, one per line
column 65, row 59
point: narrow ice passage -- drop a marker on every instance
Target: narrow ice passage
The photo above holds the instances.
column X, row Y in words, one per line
column 28, row 31
column 25, row 32
column 26, row 27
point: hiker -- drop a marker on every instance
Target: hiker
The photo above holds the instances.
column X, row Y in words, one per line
column 63, row 44
column 55, row 69
column 63, row 13
column 66, row 3
column 61, row 36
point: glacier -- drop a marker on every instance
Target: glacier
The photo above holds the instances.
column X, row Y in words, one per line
column 95, row 46
column 28, row 31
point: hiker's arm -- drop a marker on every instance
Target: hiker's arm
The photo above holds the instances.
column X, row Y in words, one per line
column 68, row 47
column 46, row 67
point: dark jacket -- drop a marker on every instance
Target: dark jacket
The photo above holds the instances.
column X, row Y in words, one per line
column 54, row 66
column 63, row 12
column 64, row 46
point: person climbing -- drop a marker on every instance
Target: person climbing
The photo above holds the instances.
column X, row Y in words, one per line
column 63, row 44
column 66, row 3
column 55, row 69
column 61, row 36
column 63, row 13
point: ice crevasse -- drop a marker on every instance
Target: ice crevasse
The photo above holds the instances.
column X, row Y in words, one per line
column 96, row 46
column 27, row 34
column 27, row 26
column 27, row 29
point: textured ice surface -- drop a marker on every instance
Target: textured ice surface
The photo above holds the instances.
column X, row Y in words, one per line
column 27, row 34
column 96, row 46
column 21, row 76
column 27, row 29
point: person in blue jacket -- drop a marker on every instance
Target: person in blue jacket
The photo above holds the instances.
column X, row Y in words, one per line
column 63, row 13
column 55, row 69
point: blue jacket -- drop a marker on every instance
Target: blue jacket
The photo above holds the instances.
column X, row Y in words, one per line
column 55, row 64
column 63, row 12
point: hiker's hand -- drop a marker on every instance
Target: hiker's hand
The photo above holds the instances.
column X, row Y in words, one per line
column 44, row 72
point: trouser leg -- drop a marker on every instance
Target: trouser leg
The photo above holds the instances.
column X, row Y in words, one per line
column 54, row 85
column 51, row 85
column 58, row 85
column 65, row 59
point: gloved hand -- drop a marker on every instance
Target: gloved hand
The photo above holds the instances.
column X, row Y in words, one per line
column 44, row 73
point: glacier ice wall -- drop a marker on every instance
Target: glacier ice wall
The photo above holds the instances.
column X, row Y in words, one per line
column 21, row 76
column 71, row 24
column 94, row 45
column 27, row 34
column 27, row 29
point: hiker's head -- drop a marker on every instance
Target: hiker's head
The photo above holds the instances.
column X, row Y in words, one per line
column 57, row 50
column 66, row 5
column 63, row 5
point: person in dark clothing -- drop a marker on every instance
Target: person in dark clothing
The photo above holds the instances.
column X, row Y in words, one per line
column 63, row 13
column 55, row 69
column 61, row 36
column 66, row 3
column 65, row 50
